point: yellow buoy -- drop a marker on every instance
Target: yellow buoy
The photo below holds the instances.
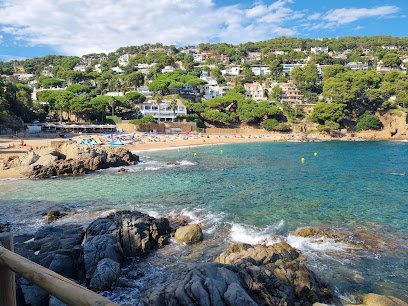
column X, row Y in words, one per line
column 195, row 154
column 222, row 151
column 303, row 159
column 315, row 154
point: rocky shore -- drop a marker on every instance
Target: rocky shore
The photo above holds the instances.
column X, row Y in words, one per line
column 68, row 159
column 97, row 255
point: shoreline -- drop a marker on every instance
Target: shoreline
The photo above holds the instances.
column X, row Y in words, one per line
column 12, row 146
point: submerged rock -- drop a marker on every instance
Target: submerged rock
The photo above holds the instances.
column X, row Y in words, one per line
column 372, row 299
column 189, row 234
column 247, row 275
column 53, row 215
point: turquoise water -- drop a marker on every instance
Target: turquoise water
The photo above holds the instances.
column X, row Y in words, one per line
column 252, row 192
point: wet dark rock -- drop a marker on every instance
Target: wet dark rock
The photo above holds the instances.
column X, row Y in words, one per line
column 5, row 227
column 122, row 170
column 254, row 275
column 120, row 235
column 105, row 274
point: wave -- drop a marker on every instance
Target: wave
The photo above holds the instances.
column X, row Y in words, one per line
column 255, row 235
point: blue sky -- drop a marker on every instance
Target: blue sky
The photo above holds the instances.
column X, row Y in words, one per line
column 30, row 28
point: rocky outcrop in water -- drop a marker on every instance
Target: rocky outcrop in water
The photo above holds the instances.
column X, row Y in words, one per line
column 372, row 299
column 247, row 275
column 70, row 158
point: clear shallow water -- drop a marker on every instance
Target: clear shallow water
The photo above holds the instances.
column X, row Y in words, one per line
column 252, row 193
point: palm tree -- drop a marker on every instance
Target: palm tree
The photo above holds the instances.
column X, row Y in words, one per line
column 112, row 104
column 173, row 105
column 158, row 100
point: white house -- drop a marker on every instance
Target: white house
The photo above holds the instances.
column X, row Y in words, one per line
column 98, row 68
column 357, row 66
column 167, row 69
column 198, row 57
column 145, row 68
column 232, row 70
column 279, row 52
column 80, row 68
column 290, row 67
column 117, row 69
column 297, row 49
column 166, row 112
column 319, row 49
column 260, row 69
column 145, row 91
column 390, row 47
column 124, row 60
column 213, row 90
column 47, row 70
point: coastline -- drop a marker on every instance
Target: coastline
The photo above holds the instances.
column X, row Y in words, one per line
column 12, row 146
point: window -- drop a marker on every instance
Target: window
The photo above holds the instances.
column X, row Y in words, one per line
column 147, row 107
column 154, row 107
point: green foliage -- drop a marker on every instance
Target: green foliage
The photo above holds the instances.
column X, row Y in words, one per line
column 176, row 84
column 276, row 93
column 388, row 105
column 135, row 97
column 51, row 83
column 270, row 124
column 328, row 126
column 145, row 120
column 192, row 118
column 114, row 119
column 323, row 112
column 196, row 82
column 367, row 121
column 391, row 60
column 216, row 116
column 78, row 89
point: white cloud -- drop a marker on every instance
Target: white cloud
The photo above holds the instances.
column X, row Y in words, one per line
column 314, row 16
column 7, row 58
column 1, row 38
column 348, row 15
column 80, row 27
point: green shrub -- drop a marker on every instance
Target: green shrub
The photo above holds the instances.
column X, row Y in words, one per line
column 114, row 119
column 328, row 126
column 367, row 121
column 145, row 120
column 270, row 124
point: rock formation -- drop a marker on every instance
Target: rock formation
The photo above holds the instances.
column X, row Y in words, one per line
column 247, row 275
column 70, row 158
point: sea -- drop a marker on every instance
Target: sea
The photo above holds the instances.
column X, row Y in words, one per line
column 251, row 193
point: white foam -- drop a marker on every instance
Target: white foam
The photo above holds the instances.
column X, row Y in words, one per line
column 255, row 235
column 315, row 245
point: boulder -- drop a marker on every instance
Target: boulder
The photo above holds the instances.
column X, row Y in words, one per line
column 372, row 299
column 107, row 272
column 189, row 234
column 101, row 247
column 53, row 215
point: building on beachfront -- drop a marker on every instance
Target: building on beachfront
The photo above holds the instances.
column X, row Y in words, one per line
column 290, row 94
column 80, row 68
column 357, row 66
column 254, row 91
column 319, row 49
column 198, row 57
column 166, row 112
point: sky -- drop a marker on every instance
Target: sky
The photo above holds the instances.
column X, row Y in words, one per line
column 32, row 28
